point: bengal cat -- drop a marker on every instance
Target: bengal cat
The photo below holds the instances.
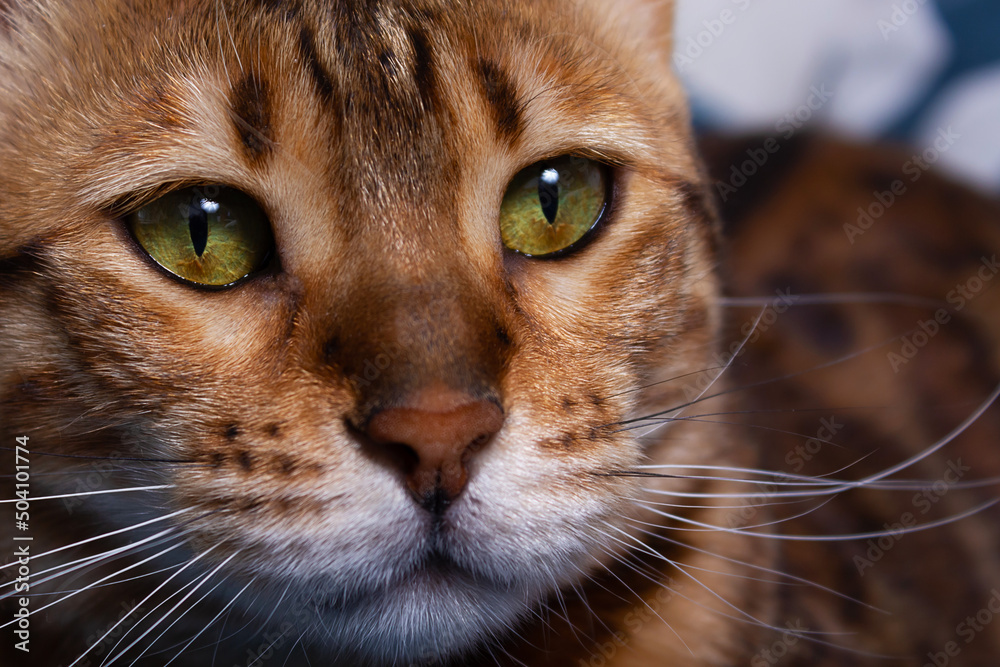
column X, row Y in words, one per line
column 404, row 332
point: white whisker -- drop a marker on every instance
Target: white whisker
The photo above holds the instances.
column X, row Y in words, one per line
column 96, row 493
column 146, row 599
column 108, row 534
column 704, row 527
column 65, row 568
column 209, row 624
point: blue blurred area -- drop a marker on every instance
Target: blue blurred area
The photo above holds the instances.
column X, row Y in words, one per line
column 975, row 30
column 897, row 70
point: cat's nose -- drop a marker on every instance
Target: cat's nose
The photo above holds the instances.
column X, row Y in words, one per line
column 431, row 437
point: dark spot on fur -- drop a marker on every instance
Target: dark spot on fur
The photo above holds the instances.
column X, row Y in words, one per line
column 251, row 113
column 5, row 23
column 285, row 504
column 31, row 388
column 251, row 504
column 824, row 326
column 502, row 335
column 289, row 9
column 595, row 400
column 292, row 288
column 278, row 5
column 568, row 404
column 274, row 429
column 217, row 459
column 330, row 348
column 245, row 460
column 159, row 106
column 502, row 98
column 232, row 432
column 320, row 77
column 286, row 464
column 216, row 504
column 359, row 22
column 423, row 68
column 562, row 443
column 23, row 261
column 387, row 60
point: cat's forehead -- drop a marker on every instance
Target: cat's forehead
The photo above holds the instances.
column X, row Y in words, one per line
column 380, row 103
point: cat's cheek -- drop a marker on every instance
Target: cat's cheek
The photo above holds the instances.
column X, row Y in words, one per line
column 335, row 516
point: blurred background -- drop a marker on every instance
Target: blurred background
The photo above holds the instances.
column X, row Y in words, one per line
column 898, row 70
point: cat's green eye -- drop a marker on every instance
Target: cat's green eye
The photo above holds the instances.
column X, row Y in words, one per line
column 207, row 235
column 551, row 205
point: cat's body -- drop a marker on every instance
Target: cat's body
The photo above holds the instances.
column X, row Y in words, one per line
column 399, row 441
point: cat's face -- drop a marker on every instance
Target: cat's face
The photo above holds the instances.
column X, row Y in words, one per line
column 395, row 410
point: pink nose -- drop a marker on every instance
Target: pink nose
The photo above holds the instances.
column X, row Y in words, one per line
column 432, row 437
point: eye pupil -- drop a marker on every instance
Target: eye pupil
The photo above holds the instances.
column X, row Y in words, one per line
column 551, row 205
column 548, row 193
column 198, row 226
column 212, row 236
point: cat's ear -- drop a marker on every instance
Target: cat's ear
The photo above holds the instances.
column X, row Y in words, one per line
column 647, row 21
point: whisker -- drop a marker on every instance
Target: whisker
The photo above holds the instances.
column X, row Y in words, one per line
column 722, row 371
column 954, row 433
column 204, row 579
column 146, row 599
column 702, row 419
column 761, row 383
column 97, row 493
column 743, row 616
column 137, row 577
column 106, row 535
column 99, row 581
column 667, row 381
column 793, row 579
column 836, row 298
column 83, row 457
column 648, row 606
column 704, row 527
column 105, row 556
column 211, row 622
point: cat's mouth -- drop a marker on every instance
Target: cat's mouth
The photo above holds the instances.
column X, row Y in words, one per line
column 434, row 609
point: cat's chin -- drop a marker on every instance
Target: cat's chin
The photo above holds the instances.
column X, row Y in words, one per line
column 435, row 612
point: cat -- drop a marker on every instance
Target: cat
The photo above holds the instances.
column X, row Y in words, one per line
column 407, row 333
